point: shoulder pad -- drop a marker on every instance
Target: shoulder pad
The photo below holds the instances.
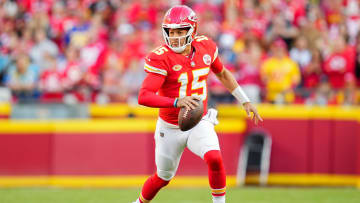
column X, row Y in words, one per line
column 158, row 53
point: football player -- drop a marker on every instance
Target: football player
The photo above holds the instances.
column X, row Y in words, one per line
column 176, row 77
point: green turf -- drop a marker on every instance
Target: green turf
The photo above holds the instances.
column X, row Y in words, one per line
column 171, row 195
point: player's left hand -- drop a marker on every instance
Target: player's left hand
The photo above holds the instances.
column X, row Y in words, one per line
column 250, row 108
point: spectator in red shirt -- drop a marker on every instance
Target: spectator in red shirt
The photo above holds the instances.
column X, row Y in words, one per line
column 72, row 74
column 256, row 21
column 248, row 73
column 339, row 63
column 143, row 14
column 35, row 6
column 92, row 59
column 312, row 72
column 50, row 83
column 113, row 72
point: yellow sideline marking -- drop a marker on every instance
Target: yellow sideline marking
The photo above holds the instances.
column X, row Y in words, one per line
column 307, row 179
column 130, row 125
column 104, row 125
column 121, row 110
column 78, row 126
column 301, row 112
column 109, row 110
column 178, row 181
column 24, row 181
column 5, row 109
column 98, row 181
column 231, row 126
column 25, row 126
column 267, row 111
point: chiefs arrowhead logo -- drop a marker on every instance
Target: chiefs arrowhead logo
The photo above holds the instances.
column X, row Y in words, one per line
column 177, row 67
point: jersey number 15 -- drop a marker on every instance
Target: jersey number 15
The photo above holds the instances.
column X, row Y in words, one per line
column 196, row 83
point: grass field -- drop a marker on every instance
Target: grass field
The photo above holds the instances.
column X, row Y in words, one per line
column 191, row 195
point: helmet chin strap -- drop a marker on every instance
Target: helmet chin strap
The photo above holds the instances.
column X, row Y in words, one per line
column 178, row 49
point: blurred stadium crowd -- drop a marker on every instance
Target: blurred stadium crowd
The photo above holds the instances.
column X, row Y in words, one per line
column 281, row 51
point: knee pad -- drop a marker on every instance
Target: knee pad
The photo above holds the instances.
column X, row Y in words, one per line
column 166, row 168
column 165, row 175
column 214, row 160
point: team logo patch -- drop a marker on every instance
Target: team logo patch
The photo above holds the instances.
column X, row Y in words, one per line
column 207, row 59
column 177, row 67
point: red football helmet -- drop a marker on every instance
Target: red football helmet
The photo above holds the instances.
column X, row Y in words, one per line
column 180, row 16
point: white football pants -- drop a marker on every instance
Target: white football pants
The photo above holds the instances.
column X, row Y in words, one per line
column 170, row 143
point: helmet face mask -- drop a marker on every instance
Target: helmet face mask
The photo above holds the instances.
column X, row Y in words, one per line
column 180, row 42
column 179, row 17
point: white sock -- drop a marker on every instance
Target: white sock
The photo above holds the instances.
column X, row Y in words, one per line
column 219, row 199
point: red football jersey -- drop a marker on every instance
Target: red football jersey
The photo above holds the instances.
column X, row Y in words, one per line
column 185, row 75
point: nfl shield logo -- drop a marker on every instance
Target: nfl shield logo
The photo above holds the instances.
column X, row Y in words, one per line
column 207, row 59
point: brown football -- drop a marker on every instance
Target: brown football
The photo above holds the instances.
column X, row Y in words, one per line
column 187, row 119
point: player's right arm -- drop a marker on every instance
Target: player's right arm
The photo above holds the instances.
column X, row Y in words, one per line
column 147, row 94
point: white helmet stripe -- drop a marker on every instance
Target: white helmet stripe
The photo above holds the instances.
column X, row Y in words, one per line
column 175, row 26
